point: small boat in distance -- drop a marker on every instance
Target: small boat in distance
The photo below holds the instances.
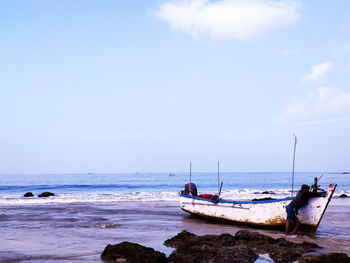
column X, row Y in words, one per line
column 265, row 213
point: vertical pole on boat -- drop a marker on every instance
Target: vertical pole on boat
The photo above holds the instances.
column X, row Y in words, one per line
column 190, row 186
column 190, row 172
column 295, row 146
column 218, row 177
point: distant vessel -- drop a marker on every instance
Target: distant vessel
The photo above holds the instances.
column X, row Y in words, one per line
column 171, row 174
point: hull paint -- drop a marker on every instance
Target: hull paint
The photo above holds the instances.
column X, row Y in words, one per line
column 270, row 213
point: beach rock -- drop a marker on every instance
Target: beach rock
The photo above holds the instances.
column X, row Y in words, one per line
column 181, row 238
column 326, row 258
column 46, row 194
column 28, row 194
column 132, row 253
column 209, row 254
column 208, row 249
column 268, row 192
column 343, row 196
column 245, row 246
column 276, row 248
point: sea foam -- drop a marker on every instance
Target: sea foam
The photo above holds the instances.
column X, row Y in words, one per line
column 236, row 194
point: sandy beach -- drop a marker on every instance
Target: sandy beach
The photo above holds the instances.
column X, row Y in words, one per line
column 79, row 232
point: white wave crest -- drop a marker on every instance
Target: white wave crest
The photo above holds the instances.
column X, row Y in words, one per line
column 236, row 194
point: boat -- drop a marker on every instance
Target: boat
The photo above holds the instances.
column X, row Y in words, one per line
column 270, row 213
column 261, row 213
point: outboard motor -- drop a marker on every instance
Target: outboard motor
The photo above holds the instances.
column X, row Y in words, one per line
column 191, row 189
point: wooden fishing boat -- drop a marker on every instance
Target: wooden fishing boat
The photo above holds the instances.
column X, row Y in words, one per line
column 267, row 213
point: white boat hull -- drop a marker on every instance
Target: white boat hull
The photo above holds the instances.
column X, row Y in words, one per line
column 271, row 213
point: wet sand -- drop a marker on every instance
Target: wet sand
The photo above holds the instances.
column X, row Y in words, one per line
column 77, row 232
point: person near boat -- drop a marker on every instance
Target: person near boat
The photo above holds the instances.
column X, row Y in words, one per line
column 299, row 201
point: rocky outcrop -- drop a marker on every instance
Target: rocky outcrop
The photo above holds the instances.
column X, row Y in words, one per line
column 326, row 258
column 28, row 194
column 343, row 196
column 245, row 246
column 132, row 253
column 46, row 194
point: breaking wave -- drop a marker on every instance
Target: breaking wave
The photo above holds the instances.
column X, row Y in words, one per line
column 170, row 196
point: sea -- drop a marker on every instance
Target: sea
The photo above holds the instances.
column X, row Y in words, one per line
column 90, row 211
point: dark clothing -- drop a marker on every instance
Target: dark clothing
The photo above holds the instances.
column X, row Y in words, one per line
column 291, row 214
column 301, row 199
column 191, row 188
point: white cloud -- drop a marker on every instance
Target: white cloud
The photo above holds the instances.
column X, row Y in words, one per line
column 229, row 19
column 317, row 71
column 323, row 106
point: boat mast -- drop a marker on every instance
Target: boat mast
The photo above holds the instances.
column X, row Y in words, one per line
column 295, row 146
column 190, row 172
column 218, row 177
column 190, row 186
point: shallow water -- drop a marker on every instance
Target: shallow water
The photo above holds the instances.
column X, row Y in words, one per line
column 76, row 225
column 79, row 232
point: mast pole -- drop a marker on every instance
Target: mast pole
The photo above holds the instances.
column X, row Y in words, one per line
column 295, row 146
column 190, row 186
column 190, row 172
column 218, row 177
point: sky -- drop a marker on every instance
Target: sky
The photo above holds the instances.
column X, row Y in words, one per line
column 114, row 86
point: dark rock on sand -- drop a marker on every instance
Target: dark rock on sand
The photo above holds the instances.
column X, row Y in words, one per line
column 343, row 196
column 132, row 253
column 28, row 194
column 209, row 254
column 243, row 247
column 276, row 248
column 210, row 248
column 268, row 192
column 46, row 194
column 326, row 258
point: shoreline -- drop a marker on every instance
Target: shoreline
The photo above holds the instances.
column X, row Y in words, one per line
column 81, row 231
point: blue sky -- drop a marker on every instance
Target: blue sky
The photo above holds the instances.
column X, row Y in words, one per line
column 149, row 86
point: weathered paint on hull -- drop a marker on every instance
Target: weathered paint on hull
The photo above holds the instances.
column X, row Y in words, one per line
column 258, row 213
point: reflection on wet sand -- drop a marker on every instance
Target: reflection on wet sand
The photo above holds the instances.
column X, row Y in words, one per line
column 79, row 232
